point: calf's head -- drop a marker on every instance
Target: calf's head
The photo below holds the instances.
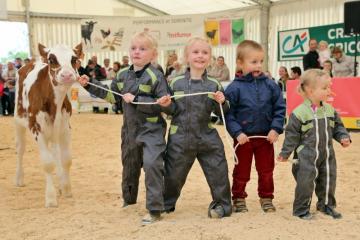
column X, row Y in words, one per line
column 61, row 62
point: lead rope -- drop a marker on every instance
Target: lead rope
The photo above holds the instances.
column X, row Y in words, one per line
column 182, row 95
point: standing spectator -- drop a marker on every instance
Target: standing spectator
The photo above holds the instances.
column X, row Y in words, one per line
column 295, row 73
column 18, row 63
column 284, row 76
column 1, row 71
column 107, row 68
column 125, row 62
column 1, row 89
column 324, row 52
column 221, row 71
column 327, row 67
column 343, row 66
column 8, row 99
column 311, row 59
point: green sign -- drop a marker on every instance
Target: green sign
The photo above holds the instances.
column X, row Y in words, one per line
column 294, row 44
column 238, row 31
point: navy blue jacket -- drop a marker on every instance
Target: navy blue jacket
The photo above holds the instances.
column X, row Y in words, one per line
column 256, row 106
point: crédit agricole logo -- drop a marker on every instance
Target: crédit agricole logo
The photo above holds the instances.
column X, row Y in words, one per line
column 293, row 44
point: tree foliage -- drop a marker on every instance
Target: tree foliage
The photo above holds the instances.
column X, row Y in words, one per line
column 12, row 55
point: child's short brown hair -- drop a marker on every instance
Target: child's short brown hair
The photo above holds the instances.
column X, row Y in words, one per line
column 246, row 45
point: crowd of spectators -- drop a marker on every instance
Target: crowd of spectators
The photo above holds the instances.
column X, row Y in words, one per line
column 333, row 60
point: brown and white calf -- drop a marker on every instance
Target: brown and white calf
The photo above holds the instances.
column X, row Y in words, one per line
column 42, row 106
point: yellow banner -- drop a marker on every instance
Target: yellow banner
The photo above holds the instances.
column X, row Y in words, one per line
column 212, row 32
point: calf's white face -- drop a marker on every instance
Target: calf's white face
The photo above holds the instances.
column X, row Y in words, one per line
column 62, row 62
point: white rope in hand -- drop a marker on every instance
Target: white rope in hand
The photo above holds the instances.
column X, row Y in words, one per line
column 293, row 161
column 182, row 95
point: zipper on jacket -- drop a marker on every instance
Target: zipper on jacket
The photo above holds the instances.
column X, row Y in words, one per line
column 316, row 149
column 257, row 96
column 188, row 110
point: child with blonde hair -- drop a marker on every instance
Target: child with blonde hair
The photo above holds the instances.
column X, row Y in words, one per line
column 191, row 133
column 311, row 128
column 255, row 120
column 143, row 131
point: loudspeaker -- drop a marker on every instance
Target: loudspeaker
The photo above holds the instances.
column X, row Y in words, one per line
column 352, row 17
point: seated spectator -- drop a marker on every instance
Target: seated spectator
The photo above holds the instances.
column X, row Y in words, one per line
column 343, row 66
column 107, row 67
column 295, row 73
column 169, row 64
column 99, row 71
column 115, row 69
column 178, row 70
column 221, row 71
column 324, row 52
column 125, row 62
column 327, row 67
column 93, row 71
column 211, row 66
column 90, row 69
column 79, row 68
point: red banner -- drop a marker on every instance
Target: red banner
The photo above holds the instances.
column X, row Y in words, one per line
column 346, row 99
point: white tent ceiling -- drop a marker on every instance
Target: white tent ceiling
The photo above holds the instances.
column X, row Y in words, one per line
column 179, row 7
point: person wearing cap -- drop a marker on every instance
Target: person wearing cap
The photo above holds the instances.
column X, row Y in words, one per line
column 343, row 66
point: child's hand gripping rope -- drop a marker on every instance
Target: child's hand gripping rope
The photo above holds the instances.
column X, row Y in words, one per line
column 166, row 101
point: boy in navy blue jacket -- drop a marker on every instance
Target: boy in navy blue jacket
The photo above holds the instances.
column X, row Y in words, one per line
column 255, row 120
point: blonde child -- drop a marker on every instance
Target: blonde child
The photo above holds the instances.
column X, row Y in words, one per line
column 257, row 109
column 191, row 134
column 143, row 130
column 324, row 52
column 309, row 133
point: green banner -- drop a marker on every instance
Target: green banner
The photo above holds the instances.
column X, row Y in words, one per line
column 294, row 44
column 238, row 31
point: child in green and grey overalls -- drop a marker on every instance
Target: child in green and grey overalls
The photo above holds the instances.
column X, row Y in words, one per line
column 311, row 128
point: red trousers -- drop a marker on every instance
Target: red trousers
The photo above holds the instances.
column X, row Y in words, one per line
column 263, row 151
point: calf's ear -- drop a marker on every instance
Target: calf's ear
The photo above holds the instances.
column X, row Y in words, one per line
column 42, row 51
column 78, row 50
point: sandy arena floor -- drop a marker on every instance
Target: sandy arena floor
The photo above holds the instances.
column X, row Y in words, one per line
column 95, row 210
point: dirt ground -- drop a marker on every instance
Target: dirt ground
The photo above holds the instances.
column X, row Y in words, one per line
column 95, row 210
